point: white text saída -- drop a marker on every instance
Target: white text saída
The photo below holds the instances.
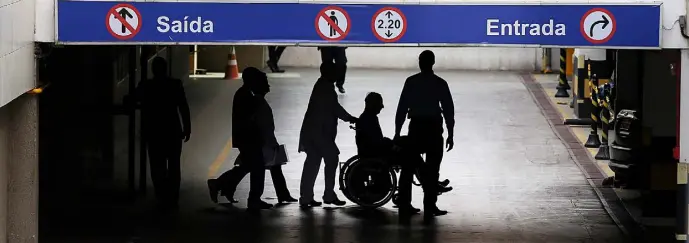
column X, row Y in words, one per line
column 185, row 25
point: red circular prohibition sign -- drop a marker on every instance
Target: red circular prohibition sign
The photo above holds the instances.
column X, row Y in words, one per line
column 113, row 11
column 404, row 24
column 343, row 33
column 612, row 20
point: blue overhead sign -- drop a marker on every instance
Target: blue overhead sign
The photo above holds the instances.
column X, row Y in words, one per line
column 624, row 26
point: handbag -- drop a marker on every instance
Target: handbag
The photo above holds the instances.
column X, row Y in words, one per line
column 272, row 156
column 275, row 156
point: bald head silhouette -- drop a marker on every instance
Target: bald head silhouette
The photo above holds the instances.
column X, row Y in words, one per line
column 426, row 60
column 159, row 67
column 256, row 79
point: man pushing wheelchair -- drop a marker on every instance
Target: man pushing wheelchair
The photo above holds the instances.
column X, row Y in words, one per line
column 399, row 153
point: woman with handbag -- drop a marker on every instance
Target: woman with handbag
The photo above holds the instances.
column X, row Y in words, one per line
column 274, row 155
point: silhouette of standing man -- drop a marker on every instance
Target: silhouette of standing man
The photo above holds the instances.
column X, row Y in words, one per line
column 333, row 32
column 317, row 138
column 426, row 100
column 163, row 102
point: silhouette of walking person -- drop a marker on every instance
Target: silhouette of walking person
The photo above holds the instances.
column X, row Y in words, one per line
column 332, row 16
column 256, row 82
column 274, row 54
column 246, row 134
column 317, row 138
column 163, row 102
column 426, row 100
column 336, row 55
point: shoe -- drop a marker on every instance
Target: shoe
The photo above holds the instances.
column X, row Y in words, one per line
column 444, row 189
column 260, row 205
column 231, row 199
column 288, row 199
column 336, row 202
column 444, row 183
column 271, row 66
column 310, row 204
column 278, row 69
column 408, row 210
column 213, row 189
column 341, row 89
column 434, row 212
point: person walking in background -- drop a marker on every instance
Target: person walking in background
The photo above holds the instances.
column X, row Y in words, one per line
column 426, row 99
column 317, row 138
column 163, row 102
column 246, row 133
column 274, row 54
column 228, row 181
column 336, row 55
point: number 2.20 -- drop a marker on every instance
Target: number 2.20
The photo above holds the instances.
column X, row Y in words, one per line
column 391, row 24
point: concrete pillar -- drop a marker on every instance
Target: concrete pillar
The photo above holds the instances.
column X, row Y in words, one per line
column 19, row 170
column 579, row 83
column 683, row 193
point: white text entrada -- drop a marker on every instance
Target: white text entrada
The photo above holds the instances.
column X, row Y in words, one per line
column 494, row 27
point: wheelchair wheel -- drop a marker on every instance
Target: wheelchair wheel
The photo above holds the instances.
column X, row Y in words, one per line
column 344, row 168
column 369, row 183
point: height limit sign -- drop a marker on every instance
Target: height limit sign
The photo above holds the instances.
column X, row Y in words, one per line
column 389, row 24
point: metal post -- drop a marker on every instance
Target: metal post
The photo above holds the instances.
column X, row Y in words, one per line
column 604, row 150
column 682, row 216
column 547, row 56
column 143, row 64
column 562, row 85
column 131, row 156
column 593, row 141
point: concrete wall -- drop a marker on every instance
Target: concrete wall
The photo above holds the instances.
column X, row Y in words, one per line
column 19, row 170
column 16, row 48
column 659, row 92
column 214, row 58
column 462, row 58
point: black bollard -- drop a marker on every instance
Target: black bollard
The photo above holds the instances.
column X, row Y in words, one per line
column 604, row 149
column 562, row 85
column 593, row 141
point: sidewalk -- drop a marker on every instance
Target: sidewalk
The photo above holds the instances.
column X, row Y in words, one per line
column 629, row 201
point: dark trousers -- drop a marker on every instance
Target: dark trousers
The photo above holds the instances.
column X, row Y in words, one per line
column 338, row 56
column 310, row 172
column 411, row 164
column 164, row 155
column 274, row 53
column 231, row 178
column 252, row 161
column 428, row 136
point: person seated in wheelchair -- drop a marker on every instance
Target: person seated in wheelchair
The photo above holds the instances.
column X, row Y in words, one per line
column 372, row 144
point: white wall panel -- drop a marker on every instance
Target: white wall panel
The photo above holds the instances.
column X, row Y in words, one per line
column 45, row 20
column 16, row 48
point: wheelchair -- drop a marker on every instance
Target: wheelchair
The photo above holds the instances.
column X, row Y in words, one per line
column 370, row 182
